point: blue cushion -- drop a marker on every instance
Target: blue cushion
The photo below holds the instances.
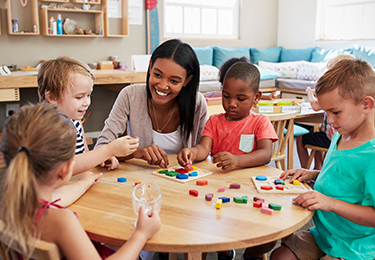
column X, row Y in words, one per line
column 296, row 54
column 298, row 130
column 364, row 53
column 268, row 74
column 205, row 55
column 270, row 54
column 322, row 55
column 223, row 54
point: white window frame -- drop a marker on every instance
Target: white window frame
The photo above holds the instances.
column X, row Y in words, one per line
column 189, row 4
column 345, row 20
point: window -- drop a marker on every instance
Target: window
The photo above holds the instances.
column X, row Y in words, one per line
column 345, row 20
column 215, row 19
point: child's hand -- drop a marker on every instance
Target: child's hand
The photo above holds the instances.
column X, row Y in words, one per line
column 153, row 154
column 299, row 174
column 313, row 200
column 274, row 95
column 113, row 162
column 186, row 156
column 148, row 225
column 124, row 146
column 90, row 177
column 225, row 160
column 311, row 94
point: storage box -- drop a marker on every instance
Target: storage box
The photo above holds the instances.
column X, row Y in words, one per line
column 277, row 109
column 105, row 66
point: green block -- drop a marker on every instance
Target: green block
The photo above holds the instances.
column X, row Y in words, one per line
column 163, row 171
column 282, row 182
column 244, row 199
column 172, row 173
column 237, row 199
column 274, row 206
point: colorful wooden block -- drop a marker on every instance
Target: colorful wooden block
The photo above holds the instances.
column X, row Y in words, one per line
column 234, row 186
column 182, row 176
column 266, row 187
column 136, row 183
column 225, row 199
column 181, row 170
column 209, row 196
column 279, row 187
column 237, row 200
column 282, row 182
column 277, row 182
column 193, row 192
column 261, row 178
column 221, row 189
column 255, row 198
column 202, row 182
column 163, row 171
column 267, row 211
column 171, row 173
column 274, row 206
column 121, row 179
column 264, row 205
column 258, row 204
column 295, row 203
column 296, row 182
column 193, row 174
column 244, row 199
column 219, row 202
column 190, row 167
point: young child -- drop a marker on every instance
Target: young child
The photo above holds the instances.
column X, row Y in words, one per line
column 37, row 164
column 344, row 197
column 237, row 138
column 68, row 84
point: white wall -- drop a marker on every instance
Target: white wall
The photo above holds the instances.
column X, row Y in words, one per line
column 296, row 27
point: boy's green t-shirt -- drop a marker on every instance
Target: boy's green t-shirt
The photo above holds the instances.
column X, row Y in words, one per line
column 347, row 175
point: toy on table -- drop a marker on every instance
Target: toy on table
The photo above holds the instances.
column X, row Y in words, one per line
column 182, row 175
column 275, row 185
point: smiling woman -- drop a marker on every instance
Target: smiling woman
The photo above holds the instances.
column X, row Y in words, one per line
column 167, row 114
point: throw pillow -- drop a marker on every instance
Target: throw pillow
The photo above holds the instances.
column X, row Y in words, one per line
column 364, row 53
column 270, row 54
column 267, row 74
column 322, row 55
column 285, row 69
column 208, row 72
column 204, row 54
column 296, row 54
column 311, row 70
column 223, row 54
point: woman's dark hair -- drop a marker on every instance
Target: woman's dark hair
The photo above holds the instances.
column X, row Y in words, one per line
column 184, row 55
column 227, row 64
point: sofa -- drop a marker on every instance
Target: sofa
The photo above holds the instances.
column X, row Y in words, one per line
column 281, row 68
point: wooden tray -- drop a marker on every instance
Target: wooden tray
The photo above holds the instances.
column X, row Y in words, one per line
column 201, row 173
column 288, row 187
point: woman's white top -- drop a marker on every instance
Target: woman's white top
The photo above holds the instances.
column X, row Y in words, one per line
column 171, row 143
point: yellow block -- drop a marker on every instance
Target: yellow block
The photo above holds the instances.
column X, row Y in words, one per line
column 219, row 202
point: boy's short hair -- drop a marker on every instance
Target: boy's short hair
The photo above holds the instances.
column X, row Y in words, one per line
column 246, row 72
column 354, row 79
column 227, row 64
column 55, row 76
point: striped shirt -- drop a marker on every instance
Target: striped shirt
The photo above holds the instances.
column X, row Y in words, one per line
column 80, row 145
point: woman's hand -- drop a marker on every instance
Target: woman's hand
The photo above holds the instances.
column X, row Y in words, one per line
column 186, row 156
column 153, row 154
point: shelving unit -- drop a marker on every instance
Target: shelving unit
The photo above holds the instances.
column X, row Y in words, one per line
column 26, row 25
column 116, row 27
column 94, row 24
column 97, row 2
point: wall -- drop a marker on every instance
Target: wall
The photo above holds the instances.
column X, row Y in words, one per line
column 258, row 28
column 296, row 27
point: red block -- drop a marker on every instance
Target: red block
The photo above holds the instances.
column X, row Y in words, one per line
column 202, row 182
column 258, row 203
column 138, row 182
column 181, row 170
column 266, row 187
column 279, row 187
column 193, row 192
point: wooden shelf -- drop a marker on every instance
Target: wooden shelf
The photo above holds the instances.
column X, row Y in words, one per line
column 97, row 2
column 55, row 1
column 96, row 22
column 116, row 27
column 27, row 23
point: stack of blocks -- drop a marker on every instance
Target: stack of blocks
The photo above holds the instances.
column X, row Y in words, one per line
column 267, row 208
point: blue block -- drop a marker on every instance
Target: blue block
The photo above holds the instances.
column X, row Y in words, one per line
column 182, row 176
column 278, row 182
column 122, row 179
column 193, row 174
column 295, row 203
column 261, row 178
column 225, row 199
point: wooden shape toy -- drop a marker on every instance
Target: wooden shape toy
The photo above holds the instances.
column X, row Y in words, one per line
column 225, row 199
column 296, row 182
column 237, row 199
column 274, row 206
column 121, row 179
column 266, row 187
column 267, row 211
column 182, row 176
column 287, row 187
column 193, row 192
column 265, row 205
column 221, row 189
column 202, row 182
column 258, row 204
column 261, row 178
column 181, row 170
column 162, row 170
column 209, row 196
column 255, row 198
column 279, row 187
column 171, row 174
column 234, row 186
column 190, row 167
column 219, row 202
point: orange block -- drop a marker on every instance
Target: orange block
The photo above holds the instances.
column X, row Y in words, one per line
column 202, row 182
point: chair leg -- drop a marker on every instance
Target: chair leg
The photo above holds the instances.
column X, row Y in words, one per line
column 264, row 257
column 312, row 154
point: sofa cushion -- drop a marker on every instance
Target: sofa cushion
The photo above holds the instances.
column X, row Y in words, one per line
column 208, row 72
column 311, row 70
column 285, row 69
column 323, row 55
column 266, row 74
column 223, row 54
column 205, row 55
column 364, row 53
column 270, row 54
column 296, row 54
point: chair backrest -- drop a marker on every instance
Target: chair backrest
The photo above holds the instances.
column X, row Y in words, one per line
column 280, row 122
column 43, row 250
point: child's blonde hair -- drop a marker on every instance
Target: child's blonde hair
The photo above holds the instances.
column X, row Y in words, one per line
column 35, row 141
column 353, row 78
column 56, row 75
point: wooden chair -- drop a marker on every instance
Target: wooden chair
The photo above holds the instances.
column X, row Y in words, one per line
column 43, row 250
column 280, row 122
column 312, row 153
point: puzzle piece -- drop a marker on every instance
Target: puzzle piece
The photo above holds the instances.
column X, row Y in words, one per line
column 274, row 206
column 181, row 170
column 258, row 203
column 267, row 211
column 190, row 167
column 261, row 178
column 225, row 199
column 221, row 189
column 162, row 170
column 234, row 186
column 219, row 202
column 202, row 182
column 193, row 192
column 172, row 173
column 242, row 199
column 255, row 198
column 266, row 187
column 296, row 182
column 182, row 176
column 193, row 174
column 121, row 179
column 209, row 196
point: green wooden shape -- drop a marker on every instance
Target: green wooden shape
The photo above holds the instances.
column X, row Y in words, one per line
column 274, row 206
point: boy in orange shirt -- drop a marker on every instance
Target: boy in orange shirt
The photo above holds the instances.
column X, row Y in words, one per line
column 238, row 138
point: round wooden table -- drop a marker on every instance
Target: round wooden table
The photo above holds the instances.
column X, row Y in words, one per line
column 189, row 224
